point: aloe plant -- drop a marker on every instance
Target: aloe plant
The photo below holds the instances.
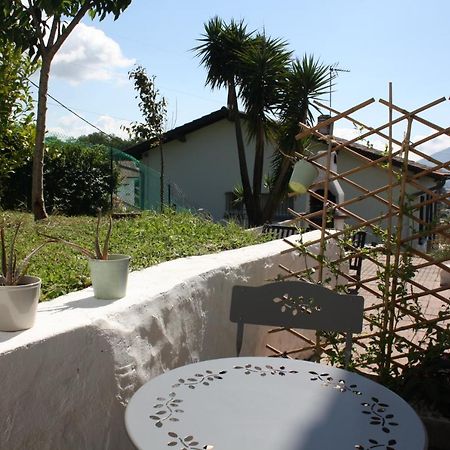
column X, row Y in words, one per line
column 12, row 270
column 100, row 252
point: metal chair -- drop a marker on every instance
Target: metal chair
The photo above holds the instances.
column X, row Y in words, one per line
column 355, row 263
column 279, row 231
column 297, row 304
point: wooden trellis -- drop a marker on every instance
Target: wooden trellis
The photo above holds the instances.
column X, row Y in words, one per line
column 403, row 313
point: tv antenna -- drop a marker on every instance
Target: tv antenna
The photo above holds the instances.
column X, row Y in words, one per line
column 334, row 68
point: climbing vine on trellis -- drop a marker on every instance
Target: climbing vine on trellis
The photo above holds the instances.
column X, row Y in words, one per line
column 398, row 322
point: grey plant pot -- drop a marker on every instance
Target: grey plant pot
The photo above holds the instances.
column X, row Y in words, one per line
column 110, row 276
column 18, row 304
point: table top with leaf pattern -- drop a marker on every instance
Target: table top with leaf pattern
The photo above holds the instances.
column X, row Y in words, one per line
column 262, row 403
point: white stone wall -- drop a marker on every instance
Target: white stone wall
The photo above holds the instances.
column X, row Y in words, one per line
column 66, row 381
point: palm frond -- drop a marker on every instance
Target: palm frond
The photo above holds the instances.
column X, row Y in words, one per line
column 218, row 48
column 263, row 67
column 308, row 79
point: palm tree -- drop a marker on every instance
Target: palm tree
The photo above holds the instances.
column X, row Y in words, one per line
column 307, row 79
column 219, row 49
column 276, row 93
column 263, row 66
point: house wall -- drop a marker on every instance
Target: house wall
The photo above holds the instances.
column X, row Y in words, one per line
column 372, row 178
column 206, row 165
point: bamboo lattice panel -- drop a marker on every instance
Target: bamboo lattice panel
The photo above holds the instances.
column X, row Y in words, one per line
column 406, row 309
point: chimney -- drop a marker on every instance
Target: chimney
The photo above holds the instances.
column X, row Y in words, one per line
column 327, row 129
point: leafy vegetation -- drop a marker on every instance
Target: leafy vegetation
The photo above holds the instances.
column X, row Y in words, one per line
column 12, row 269
column 425, row 382
column 423, row 377
column 98, row 252
column 78, row 179
column 16, row 111
column 40, row 27
column 150, row 239
column 154, row 111
column 108, row 140
column 276, row 92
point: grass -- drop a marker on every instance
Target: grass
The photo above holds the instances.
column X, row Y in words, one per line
column 150, row 239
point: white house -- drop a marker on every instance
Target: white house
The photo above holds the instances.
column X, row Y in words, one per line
column 375, row 178
column 201, row 162
column 200, row 158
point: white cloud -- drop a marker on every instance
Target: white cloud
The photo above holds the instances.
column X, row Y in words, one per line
column 71, row 126
column 350, row 133
column 111, row 125
column 88, row 54
column 437, row 144
column 430, row 147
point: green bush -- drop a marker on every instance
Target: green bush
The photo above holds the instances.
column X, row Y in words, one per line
column 16, row 149
column 16, row 112
column 77, row 179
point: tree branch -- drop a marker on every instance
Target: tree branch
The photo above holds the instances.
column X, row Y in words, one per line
column 55, row 27
column 32, row 12
column 72, row 24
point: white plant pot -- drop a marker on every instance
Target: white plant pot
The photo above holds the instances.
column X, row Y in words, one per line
column 303, row 176
column 109, row 276
column 445, row 275
column 18, row 304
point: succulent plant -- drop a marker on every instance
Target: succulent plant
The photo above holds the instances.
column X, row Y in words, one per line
column 100, row 252
column 12, row 270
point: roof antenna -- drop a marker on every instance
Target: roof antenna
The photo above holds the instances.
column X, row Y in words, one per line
column 334, row 68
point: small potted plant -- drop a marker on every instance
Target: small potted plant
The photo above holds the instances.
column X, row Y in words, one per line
column 109, row 271
column 19, row 293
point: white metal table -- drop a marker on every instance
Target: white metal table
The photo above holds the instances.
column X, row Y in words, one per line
column 269, row 404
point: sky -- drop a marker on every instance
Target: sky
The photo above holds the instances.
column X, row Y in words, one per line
column 403, row 42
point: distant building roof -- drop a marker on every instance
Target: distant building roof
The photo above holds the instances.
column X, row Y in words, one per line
column 374, row 154
column 179, row 133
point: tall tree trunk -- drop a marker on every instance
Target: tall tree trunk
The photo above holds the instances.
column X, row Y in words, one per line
column 47, row 51
column 37, row 189
column 278, row 191
column 258, row 173
column 281, row 183
column 248, row 196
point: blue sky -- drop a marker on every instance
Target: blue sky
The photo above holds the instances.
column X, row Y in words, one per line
column 405, row 42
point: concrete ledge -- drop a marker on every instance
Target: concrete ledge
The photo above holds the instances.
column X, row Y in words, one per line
column 65, row 382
